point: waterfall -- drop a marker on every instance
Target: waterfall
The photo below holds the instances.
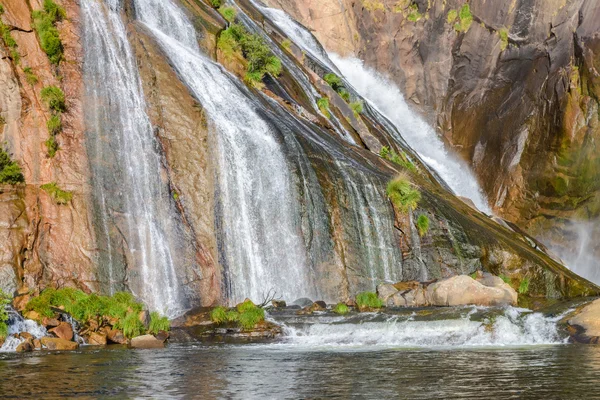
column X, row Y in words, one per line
column 385, row 96
column 132, row 198
column 262, row 241
column 17, row 324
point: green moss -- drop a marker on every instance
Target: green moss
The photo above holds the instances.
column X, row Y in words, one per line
column 368, row 300
column 216, row 3
column 54, row 98
column 57, row 194
column 473, row 275
column 31, row 78
column 524, row 286
column 344, row 94
column 423, row 224
column 465, row 19
column 402, row 193
column 232, row 316
column 4, row 303
column 341, row 308
column 505, row 278
column 452, row 15
column 44, row 23
column 357, row 108
column 503, row 33
column 286, row 44
column 51, row 146
column 323, row 104
column 158, row 323
column 228, row 13
column 413, row 13
column 10, row 171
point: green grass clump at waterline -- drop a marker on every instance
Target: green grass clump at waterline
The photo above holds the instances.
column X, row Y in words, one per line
column 246, row 314
column 57, row 194
column 368, row 300
column 259, row 57
column 402, row 193
column 44, row 23
column 10, row 171
column 341, row 309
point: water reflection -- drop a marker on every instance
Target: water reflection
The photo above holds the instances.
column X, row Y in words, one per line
column 255, row 371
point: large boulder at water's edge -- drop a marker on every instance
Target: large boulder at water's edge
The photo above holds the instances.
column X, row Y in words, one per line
column 63, row 331
column 58, row 344
column 464, row 290
column 146, row 342
column 25, row 346
column 97, row 339
column 584, row 325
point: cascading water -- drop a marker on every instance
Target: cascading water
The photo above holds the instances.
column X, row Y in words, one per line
column 263, row 246
column 133, row 201
column 511, row 327
column 17, row 324
column 385, row 96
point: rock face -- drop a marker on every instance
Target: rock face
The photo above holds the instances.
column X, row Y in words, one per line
column 63, row 331
column 534, row 154
column 585, row 324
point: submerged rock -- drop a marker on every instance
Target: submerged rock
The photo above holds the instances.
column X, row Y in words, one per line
column 146, row 342
column 302, row 302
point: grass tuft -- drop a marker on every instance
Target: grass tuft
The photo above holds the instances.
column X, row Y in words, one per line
column 524, row 286
column 402, row 193
column 503, row 33
column 323, row 104
column 228, row 13
column 30, row 77
column 44, row 23
column 423, row 224
column 218, row 315
column 341, row 309
column 400, row 159
column 57, row 194
column 158, row 323
column 10, row 171
column 368, row 300
column 4, row 302
column 54, row 98
column 357, row 108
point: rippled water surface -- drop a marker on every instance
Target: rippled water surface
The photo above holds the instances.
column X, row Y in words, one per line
column 263, row 371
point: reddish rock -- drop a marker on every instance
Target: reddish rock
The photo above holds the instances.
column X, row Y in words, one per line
column 146, row 342
column 162, row 336
column 50, row 322
column 64, row 331
column 144, row 317
column 116, row 336
column 58, row 344
column 26, row 335
column 97, row 339
column 25, row 346
column 32, row 315
column 37, row 344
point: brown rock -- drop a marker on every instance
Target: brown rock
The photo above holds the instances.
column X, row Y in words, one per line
column 64, row 331
column 385, row 291
column 584, row 326
column 146, row 342
column 321, row 304
column 93, row 324
column 116, row 336
column 37, row 344
column 21, row 299
column 58, row 344
column 162, row 336
column 278, row 303
column 50, row 322
column 32, row 315
column 144, row 317
column 25, row 346
column 403, row 286
column 26, row 335
column 97, row 339
column 464, row 290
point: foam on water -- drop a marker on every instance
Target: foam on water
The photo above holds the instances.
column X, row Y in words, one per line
column 18, row 324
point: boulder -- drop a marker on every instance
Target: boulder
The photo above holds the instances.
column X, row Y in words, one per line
column 115, row 336
column 385, row 291
column 162, row 336
column 50, row 322
column 34, row 315
column 403, row 286
column 316, row 306
column 321, row 304
column 21, row 299
column 584, row 325
column 37, row 344
column 146, row 342
column 302, row 302
column 58, row 344
column 64, row 331
column 25, row 346
column 97, row 339
column 464, row 290
column 396, row 300
column 26, row 335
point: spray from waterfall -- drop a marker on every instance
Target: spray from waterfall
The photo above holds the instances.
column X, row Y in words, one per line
column 134, row 203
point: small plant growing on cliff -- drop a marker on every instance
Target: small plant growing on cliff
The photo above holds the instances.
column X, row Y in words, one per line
column 215, row 3
column 505, row 278
column 524, row 286
column 54, row 98
column 228, row 13
column 30, row 77
column 57, row 194
column 368, row 300
column 54, row 124
column 452, row 15
column 402, row 193
column 334, row 81
column 423, row 224
column 357, row 108
column 132, row 326
column 10, row 171
column 503, row 33
column 413, row 13
column 44, row 23
column 400, row 159
column 466, row 19
column 323, row 104
column 218, row 315
column 9, row 41
column 51, row 146
column 158, row 323
column 341, row 309
column 286, row 44
column 1, row 9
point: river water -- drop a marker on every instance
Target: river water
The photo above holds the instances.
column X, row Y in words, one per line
column 268, row 372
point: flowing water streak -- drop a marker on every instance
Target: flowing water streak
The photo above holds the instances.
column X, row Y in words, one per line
column 121, row 138
column 17, row 324
column 262, row 239
column 385, row 96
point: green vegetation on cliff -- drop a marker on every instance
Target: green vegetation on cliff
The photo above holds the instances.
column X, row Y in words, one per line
column 54, row 98
column 8, row 40
column 4, row 302
column 503, row 33
column 423, row 224
column 44, row 23
column 228, row 13
column 30, row 76
column 465, row 18
column 413, row 13
column 259, row 57
column 341, row 309
column 323, row 104
column 402, row 193
column 400, row 159
column 10, row 171
column 57, row 194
